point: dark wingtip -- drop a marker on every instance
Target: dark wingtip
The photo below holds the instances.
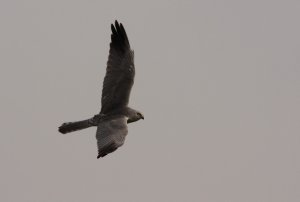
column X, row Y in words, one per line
column 119, row 39
column 117, row 26
column 101, row 155
column 113, row 29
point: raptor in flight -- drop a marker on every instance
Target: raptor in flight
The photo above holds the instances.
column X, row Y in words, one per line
column 112, row 120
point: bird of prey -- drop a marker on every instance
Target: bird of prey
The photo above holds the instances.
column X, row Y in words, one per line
column 114, row 115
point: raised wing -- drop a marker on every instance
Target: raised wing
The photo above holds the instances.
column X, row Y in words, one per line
column 120, row 71
column 111, row 135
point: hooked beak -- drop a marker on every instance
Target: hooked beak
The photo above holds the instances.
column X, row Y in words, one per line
column 142, row 116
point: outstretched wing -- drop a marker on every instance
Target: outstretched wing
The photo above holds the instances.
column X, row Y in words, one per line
column 120, row 71
column 111, row 135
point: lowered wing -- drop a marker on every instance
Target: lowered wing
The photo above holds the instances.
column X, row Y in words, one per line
column 111, row 135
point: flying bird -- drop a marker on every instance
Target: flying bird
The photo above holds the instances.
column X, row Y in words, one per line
column 115, row 114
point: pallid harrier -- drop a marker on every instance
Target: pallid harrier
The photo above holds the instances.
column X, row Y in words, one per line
column 112, row 120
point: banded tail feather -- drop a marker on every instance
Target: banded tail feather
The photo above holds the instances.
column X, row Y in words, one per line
column 78, row 125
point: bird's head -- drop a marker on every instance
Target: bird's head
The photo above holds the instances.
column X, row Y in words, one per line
column 140, row 115
column 135, row 116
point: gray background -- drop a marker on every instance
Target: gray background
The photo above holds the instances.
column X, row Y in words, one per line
column 218, row 82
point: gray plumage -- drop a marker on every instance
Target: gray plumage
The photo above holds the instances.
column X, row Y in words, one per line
column 111, row 134
column 112, row 120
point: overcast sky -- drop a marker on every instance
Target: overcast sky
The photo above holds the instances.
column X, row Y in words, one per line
column 218, row 83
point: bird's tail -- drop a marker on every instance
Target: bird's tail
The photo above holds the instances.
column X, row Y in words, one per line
column 78, row 125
